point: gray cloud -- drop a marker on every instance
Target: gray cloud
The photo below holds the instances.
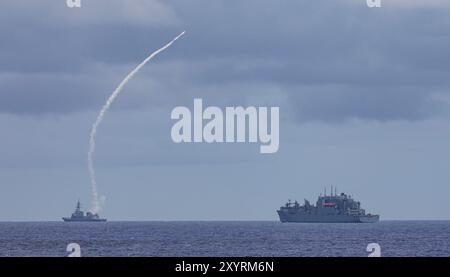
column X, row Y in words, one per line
column 341, row 61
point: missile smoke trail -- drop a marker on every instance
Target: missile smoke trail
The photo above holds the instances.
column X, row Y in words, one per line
column 95, row 200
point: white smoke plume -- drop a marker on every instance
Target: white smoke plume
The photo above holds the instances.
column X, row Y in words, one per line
column 96, row 205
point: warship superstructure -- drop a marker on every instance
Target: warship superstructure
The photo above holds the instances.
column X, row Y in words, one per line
column 79, row 216
column 332, row 208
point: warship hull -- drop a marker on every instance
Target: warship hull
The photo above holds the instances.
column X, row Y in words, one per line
column 69, row 219
column 312, row 218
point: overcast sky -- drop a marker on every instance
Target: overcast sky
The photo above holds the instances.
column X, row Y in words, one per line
column 363, row 94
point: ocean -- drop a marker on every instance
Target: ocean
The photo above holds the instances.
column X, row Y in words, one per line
column 224, row 238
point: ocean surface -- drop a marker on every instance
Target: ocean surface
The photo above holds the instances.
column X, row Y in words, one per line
column 204, row 238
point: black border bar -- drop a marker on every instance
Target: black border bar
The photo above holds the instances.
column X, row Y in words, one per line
column 224, row 266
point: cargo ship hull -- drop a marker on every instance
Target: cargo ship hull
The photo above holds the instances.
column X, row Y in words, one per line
column 302, row 218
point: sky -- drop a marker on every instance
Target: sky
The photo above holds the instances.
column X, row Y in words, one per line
column 364, row 98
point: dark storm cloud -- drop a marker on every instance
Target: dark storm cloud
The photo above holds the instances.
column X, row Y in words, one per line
column 333, row 60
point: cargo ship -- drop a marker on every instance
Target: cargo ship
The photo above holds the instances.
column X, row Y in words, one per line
column 334, row 208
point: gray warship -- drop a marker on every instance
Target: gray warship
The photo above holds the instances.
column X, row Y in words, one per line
column 79, row 216
column 332, row 208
